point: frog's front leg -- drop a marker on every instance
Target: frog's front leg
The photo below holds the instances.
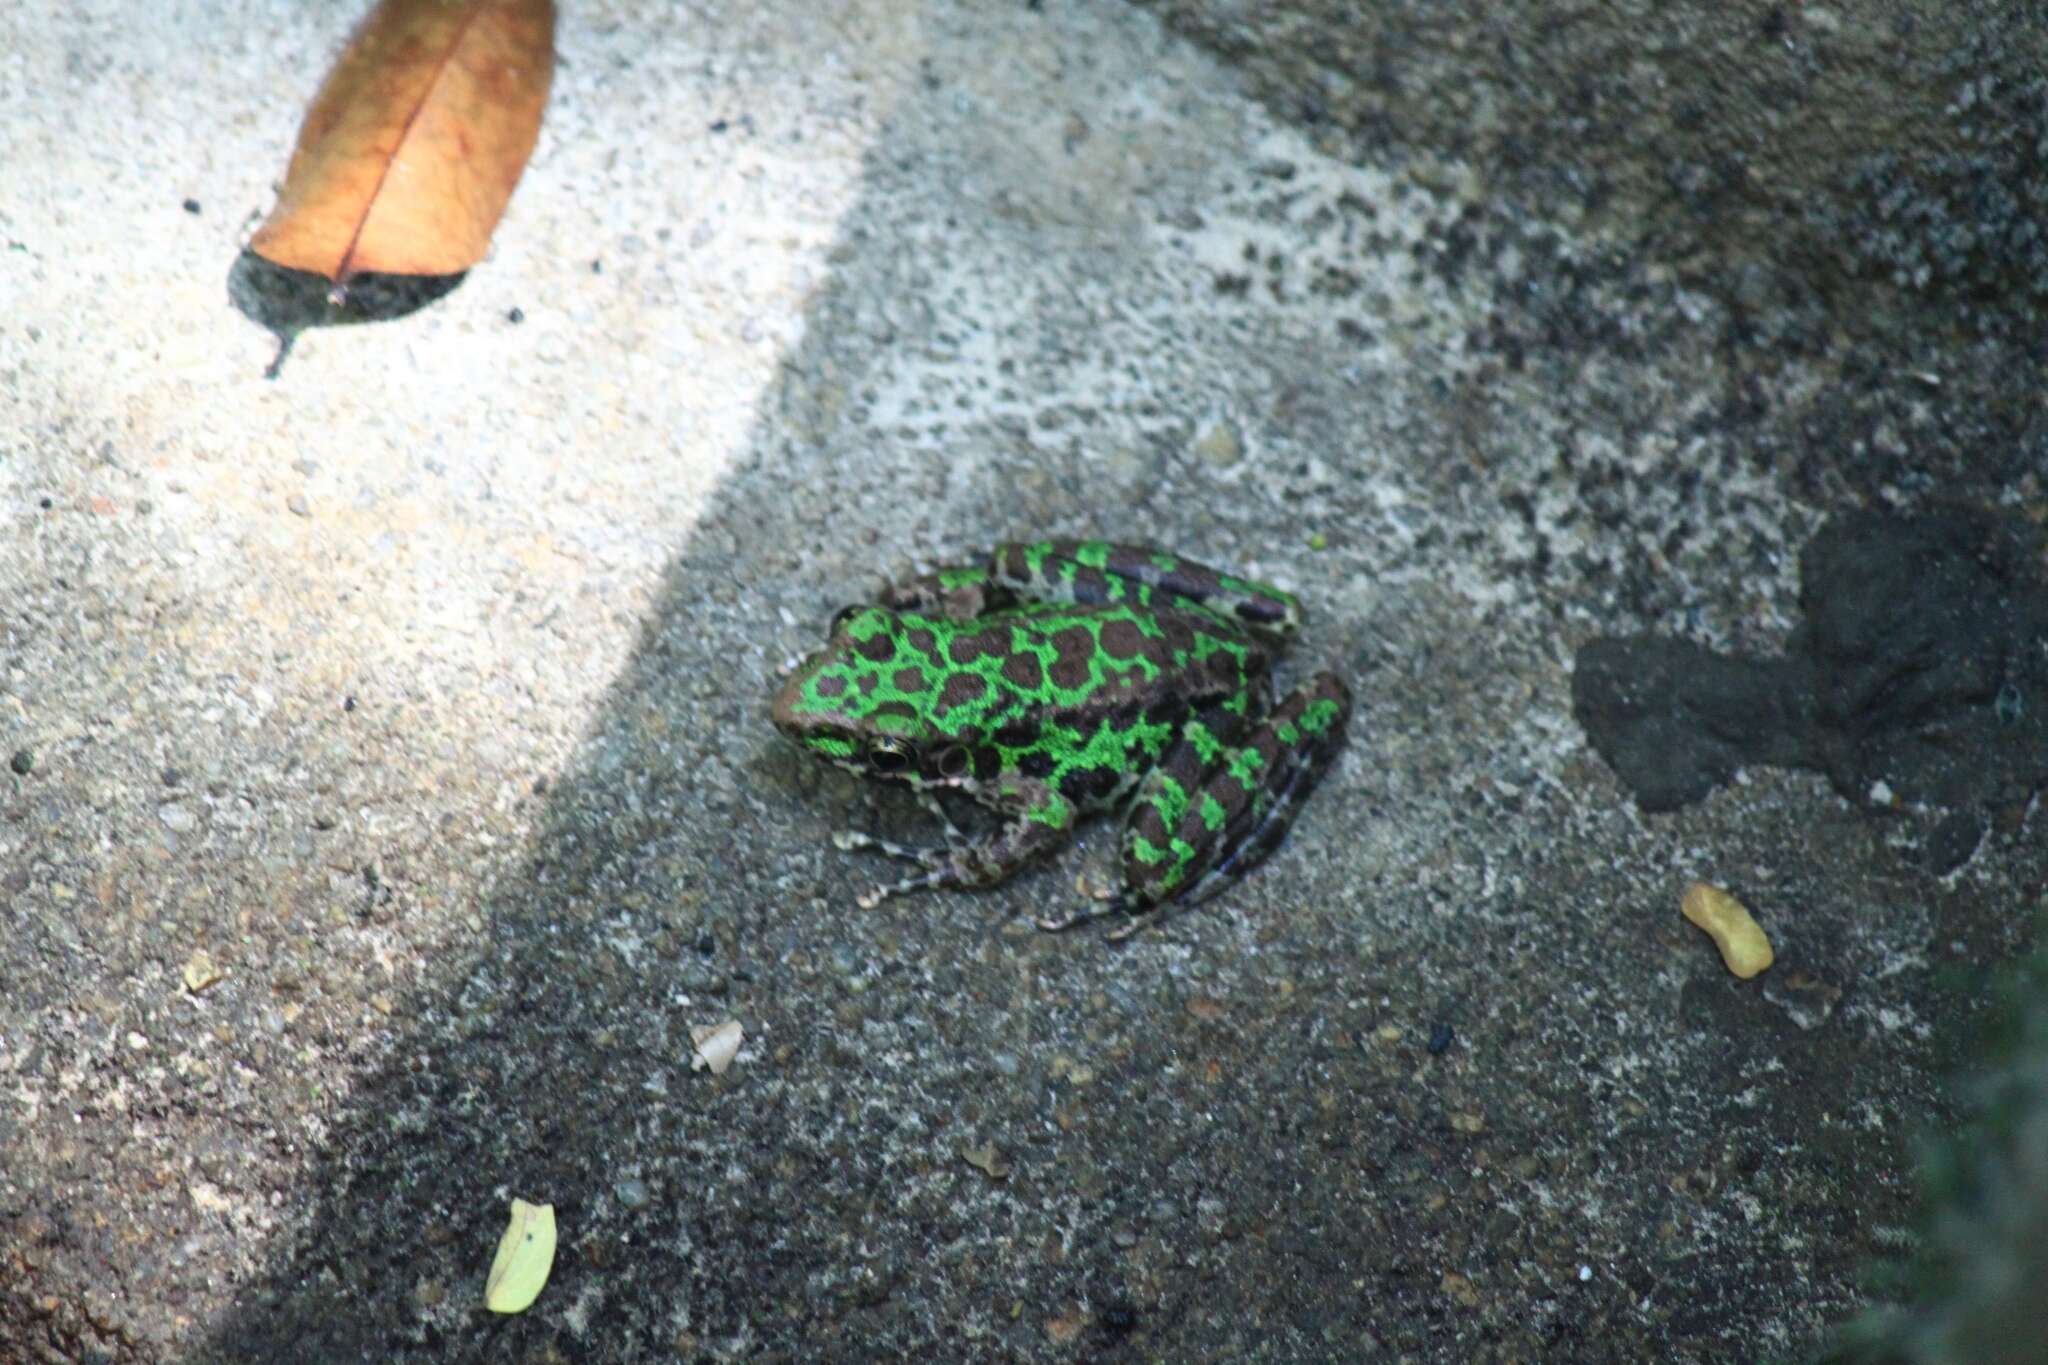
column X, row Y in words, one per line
column 1037, row 820
column 1216, row 806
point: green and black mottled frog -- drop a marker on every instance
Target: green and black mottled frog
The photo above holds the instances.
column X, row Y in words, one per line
column 1065, row 677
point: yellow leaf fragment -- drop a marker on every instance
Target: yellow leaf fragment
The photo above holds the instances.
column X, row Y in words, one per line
column 526, row 1253
column 1741, row 941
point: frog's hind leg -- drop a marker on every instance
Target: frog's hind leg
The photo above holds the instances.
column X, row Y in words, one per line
column 1034, row 825
column 1212, row 810
column 1099, row 572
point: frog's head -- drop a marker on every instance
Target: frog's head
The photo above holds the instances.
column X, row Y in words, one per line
column 862, row 701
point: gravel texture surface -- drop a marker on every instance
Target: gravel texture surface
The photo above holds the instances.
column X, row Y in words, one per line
column 421, row 695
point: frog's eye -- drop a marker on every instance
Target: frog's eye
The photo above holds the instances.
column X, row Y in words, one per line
column 950, row 761
column 888, row 755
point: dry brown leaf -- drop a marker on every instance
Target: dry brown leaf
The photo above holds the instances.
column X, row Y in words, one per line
column 414, row 143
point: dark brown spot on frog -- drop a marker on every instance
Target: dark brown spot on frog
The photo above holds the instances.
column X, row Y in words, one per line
column 1262, row 610
column 1084, row 785
column 1090, row 587
column 877, row 648
column 1132, row 561
column 830, row 685
column 961, row 689
column 1121, row 638
column 1167, row 710
column 1035, row 764
column 910, row 680
column 965, row 649
column 1017, row 734
column 1183, row 763
column 1146, row 824
column 1023, row 672
column 868, row 683
column 1186, row 580
column 1229, row 793
column 1075, row 648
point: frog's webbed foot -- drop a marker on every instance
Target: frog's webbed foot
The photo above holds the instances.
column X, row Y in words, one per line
column 967, row 861
column 1102, row 909
column 936, row 862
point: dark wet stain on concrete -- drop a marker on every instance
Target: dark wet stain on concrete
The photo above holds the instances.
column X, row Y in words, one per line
column 1919, row 679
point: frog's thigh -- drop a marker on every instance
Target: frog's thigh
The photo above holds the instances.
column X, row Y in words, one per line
column 1088, row 572
column 1198, row 825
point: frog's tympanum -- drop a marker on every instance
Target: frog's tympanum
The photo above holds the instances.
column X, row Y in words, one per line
column 1066, row 677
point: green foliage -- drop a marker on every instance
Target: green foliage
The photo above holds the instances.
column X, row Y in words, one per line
column 1978, row 1281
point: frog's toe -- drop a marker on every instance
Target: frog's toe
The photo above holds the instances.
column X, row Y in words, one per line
column 853, row 840
column 1136, row 923
column 1103, row 908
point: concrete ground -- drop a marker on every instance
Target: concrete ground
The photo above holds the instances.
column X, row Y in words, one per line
column 421, row 694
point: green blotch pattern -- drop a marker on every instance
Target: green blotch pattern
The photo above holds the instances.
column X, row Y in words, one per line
column 1068, row 731
column 1318, row 716
column 869, row 695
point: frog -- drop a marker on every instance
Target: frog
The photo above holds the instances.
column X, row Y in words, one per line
column 1055, row 679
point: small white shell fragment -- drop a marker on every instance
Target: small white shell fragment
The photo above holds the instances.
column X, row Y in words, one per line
column 715, row 1045
column 1741, row 941
column 526, row 1253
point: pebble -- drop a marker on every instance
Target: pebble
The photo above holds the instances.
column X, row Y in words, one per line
column 1220, row 445
column 22, row 763
column 633, row 1194
column 200, row 972
column 1728, row 922
column 176, row 817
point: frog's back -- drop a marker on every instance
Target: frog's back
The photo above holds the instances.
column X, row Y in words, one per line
column 1078, row 694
